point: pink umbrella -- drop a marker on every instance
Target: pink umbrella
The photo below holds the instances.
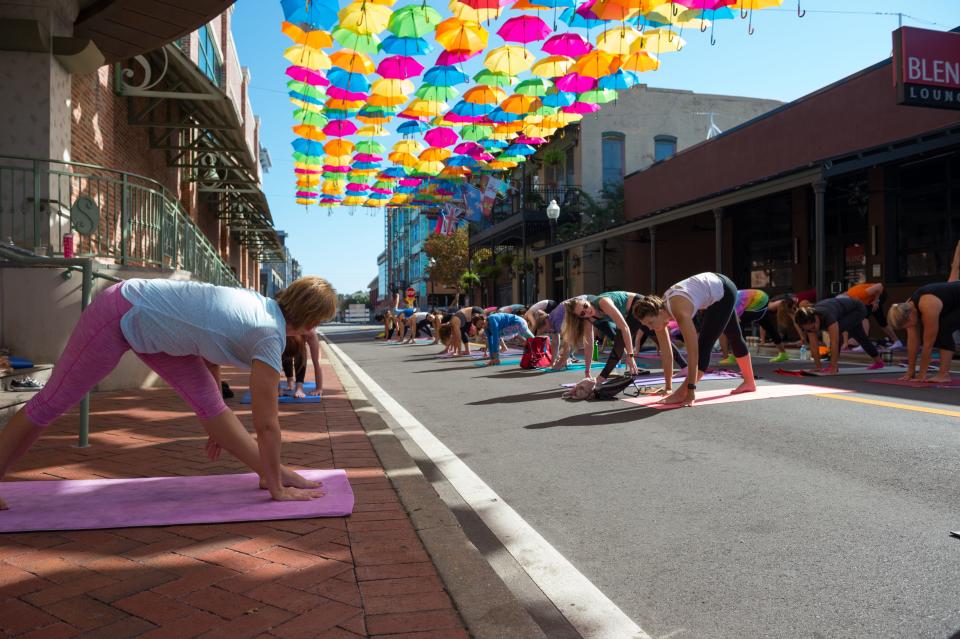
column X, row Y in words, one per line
column 468, row 148
column 450, row 58
column 343, row 94
column 336, row 169
column 301, row 74
column 574, row 83
column 453, row 117
column 586, row 10
column 366, row 157
column 567, row 44
column 483, row 157
column 306, row 172
column 581, row 107
column 410, row 181
column 399, row 67
column 357, row 188
column 307, row 194
column 340, row 128
column 524, row 29
column 383, row 191
column 525, row 140
column 441, row 137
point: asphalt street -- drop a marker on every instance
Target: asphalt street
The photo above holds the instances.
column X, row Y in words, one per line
column 792, row 517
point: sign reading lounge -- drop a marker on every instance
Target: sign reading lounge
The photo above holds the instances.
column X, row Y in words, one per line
column 926, row 66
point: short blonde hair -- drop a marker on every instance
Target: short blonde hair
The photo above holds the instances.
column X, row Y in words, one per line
column 308, row 302
column 899, row 315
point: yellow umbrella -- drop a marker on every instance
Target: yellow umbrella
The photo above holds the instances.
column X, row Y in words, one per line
column 303, row 56
column 333, row 188
column 309, row 132
column 500, row 165
column 640, row 61
column 534, row 131
column 552, row 66
column 454, row 34
column 483, row 94
column 752, row 5
column 354, row 200
column 401, row 198
column 339, row 104
column 308, row 180
column 352, row 61
column 386, row 100
column 307, row 166
column 338, row 147
column 617, row 41
column 561, row 119
column 425, row 108
column 510, row 59
column 403, row 159
column 306, row 106
column 467, row 13
column 658, row 41
column 435, row 154
column 519, row 104
column 408, row 146
column 373, row 129
column 509, row 127
column 430, row 168
column 306, row 202
column 365, row 18
column 595, row 64
column 374, row 121
column 337, row 160
column 391, row 87
column 313, row 39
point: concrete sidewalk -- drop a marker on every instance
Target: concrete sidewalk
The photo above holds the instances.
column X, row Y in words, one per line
column 367, row 575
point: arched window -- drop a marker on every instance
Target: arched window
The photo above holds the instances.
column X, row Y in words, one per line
column 612, row 152
column 664, row 146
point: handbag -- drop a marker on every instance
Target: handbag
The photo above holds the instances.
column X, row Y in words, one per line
column 536, row 353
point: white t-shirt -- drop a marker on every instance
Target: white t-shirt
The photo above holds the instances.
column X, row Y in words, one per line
column 540, row 306
column 221, row 324
column 702, row 290
column 419, row 317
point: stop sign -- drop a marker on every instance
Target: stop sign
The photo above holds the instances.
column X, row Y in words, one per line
column 411, row 292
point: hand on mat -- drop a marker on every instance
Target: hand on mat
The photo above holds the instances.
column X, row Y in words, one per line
column 293, row 479
column 212, row 449
column 299, row 394
column 315, row 392
column 830, row 370
column 294, row 494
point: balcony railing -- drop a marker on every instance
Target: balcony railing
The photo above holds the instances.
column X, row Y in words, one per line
column 534, row 201
column 132, row 220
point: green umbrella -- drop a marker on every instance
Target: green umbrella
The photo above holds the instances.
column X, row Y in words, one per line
column 598, row 96
column 414, row 21
column 536, row 87
column 369, row 44
column 371, row 147
column 310, row 117
column 435, row 93
column 545, row 110
column 317, row 93
column 475, row 132
column 512, row 158
column 494, row 79
column 333, row 176
column 307, row 159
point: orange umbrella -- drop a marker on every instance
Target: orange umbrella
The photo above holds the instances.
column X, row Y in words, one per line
column 435, row 154
column 352, row 61
column 338, row 147
column 640, row 61
column 518, row 103
column 385, row 101
column 338, row 104
column 309, row 132
column 315, row 39
column 454, row 34
column 595, row 64
column 484, row 94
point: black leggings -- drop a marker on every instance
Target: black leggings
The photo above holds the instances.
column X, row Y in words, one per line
column 720, row 317
column 879, row 313
column 295, row 361
column 609, row 329
column 949, row 322
column 856, row 332
column 424, row 325
column 769, row 324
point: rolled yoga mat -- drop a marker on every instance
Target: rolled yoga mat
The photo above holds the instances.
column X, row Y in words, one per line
column 290, row 399
column 87, row 504
column 849, row 370
column 710, row 397
column 656, row 380
column 912, row 383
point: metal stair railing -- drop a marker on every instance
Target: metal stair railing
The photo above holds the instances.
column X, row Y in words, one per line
column 87, row 266
column 138, row 221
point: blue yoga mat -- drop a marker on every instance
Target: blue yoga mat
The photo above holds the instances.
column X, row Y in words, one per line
column 511, row 360
column 19, row 362
column 290, row 399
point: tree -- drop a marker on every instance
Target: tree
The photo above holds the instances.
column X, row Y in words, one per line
column 450, row 258
column 358, row 297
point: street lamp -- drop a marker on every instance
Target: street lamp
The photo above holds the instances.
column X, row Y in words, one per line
column 553, row 212
column 430, row 264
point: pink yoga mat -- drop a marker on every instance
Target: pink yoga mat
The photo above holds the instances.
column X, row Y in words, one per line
column 162, row 501
column 912, row 383
column 711, row 397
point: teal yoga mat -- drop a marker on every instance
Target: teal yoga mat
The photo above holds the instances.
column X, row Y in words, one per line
column 290, row 399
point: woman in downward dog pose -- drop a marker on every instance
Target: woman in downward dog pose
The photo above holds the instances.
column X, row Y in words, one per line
column 173, row 326
column 931, row 315
column 582, row 313
column 754, row 307
column 716, row 296
column 494, row 324
column 295, row 364
column 836, row 315
column 460, row 330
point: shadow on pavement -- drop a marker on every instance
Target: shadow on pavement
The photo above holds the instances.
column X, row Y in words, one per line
column 534, row 396
column 602, row 418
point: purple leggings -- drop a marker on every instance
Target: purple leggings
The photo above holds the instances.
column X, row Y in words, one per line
column 95, row 348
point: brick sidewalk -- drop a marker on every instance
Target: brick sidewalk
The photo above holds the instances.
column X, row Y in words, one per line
column 367, row 575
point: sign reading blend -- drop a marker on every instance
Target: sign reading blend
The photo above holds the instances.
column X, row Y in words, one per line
column 926, row 66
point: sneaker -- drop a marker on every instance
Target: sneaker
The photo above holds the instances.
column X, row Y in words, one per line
column 780, row 357
column 857, row 349
column 897, row 346
column 225, row 390
column 875, row 366
column 26, row 383
column 729, row 360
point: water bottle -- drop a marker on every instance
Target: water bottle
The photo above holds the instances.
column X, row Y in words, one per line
column 804, row 353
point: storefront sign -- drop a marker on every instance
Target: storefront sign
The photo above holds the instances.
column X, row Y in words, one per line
column 926, row 66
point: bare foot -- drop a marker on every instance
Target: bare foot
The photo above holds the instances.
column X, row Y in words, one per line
column 293, row 480
column 939, row 379
column 3, row 505
column 746, row 387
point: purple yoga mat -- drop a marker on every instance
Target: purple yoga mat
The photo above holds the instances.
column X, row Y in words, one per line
column 86, row 504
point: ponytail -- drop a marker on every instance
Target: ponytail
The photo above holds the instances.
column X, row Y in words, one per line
column 899, row 315
column 806, row 314
column 646, row 306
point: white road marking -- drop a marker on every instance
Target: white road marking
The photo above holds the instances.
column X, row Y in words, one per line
column 587, row 609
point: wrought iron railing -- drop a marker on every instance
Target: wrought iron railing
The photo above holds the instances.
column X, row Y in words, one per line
column 121, row 217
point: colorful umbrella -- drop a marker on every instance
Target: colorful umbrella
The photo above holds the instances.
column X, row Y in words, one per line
column 340, row 128
column 524, row 29
column 454, row 34
column 399, row 67
column 567, row 44
column 441, row 137
column 414, row 21
column 509, row 59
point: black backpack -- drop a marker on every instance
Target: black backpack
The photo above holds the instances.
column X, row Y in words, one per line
column 613, row 386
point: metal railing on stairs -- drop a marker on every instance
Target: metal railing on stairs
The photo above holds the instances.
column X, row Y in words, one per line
column 122, row 218
column 85, row 265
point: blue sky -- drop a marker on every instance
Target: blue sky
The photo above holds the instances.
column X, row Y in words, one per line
column 784, row 59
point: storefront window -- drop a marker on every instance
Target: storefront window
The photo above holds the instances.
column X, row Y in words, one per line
column 927, row 213
column 664, row 146
column 209, row 56
column 612, row 151
column 763, row 243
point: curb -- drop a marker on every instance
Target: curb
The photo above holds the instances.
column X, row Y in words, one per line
column 489, row 609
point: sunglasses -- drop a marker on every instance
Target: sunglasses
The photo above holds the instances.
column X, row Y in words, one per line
column 584, row 311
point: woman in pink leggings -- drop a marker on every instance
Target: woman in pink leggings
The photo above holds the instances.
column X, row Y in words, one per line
column 178, row 329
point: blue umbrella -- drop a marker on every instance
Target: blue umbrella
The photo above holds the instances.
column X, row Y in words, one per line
column 491, row 144
column 558, row 99
column 471, row 110
column 499, row 115
column 520, row 149
column 413, row 127
column 442, row 76
column 619, row 81
column 319, row 14
column 307, row 147
column 352, row 82
column 461, row 160
column 577, row 21
column 305, row 98
column 339, row 114
column 394, row 172
column 395, row 45
column 365, row 165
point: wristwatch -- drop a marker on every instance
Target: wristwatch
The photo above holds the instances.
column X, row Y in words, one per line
column 691, row 387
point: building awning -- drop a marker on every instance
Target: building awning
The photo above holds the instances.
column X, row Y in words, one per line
column 126, row 28
column 198, row 127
